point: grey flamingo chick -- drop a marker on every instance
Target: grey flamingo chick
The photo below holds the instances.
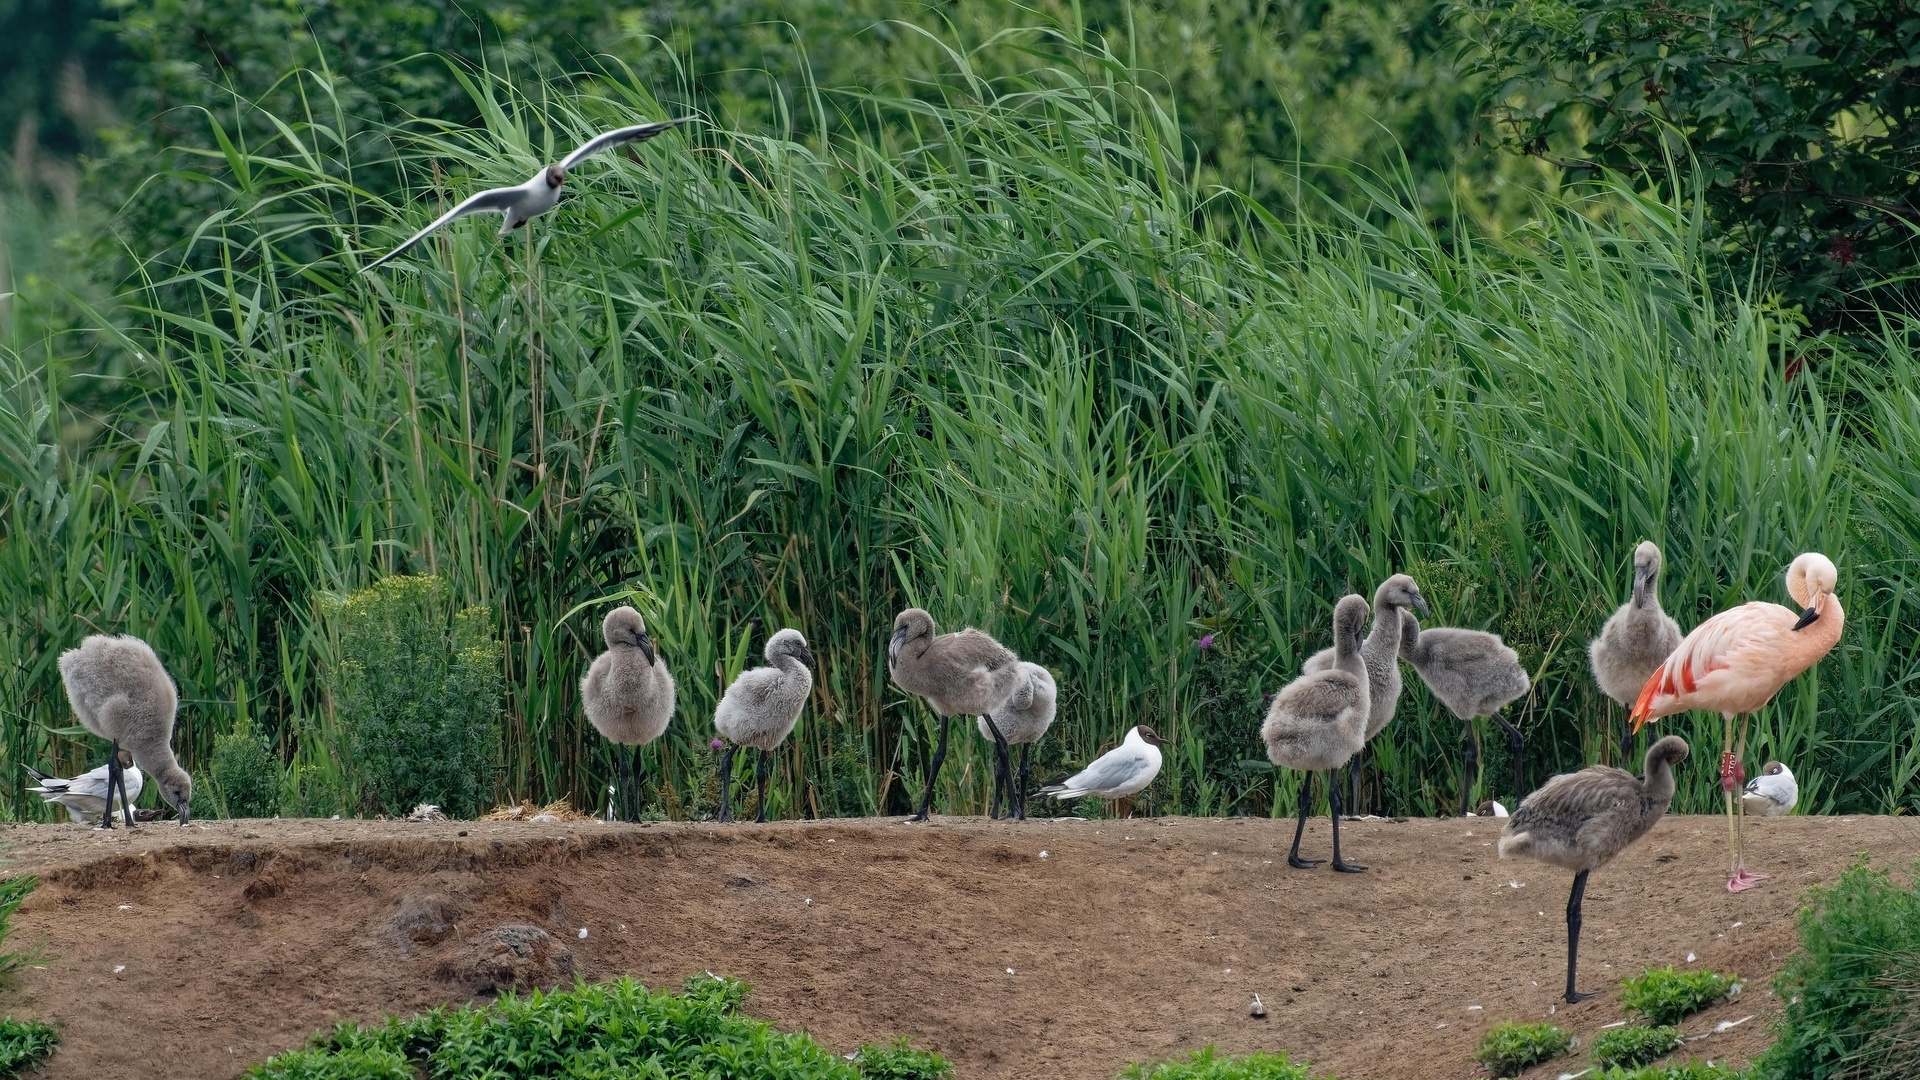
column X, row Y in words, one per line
column 1637, row 639
column 761, row 707
column 120, row 691
column 1319, row 721
column 85, row 796
column 1381, row 651
column 1578, row 821
column 1021, row 721
column 628, row 697
column 963, row 673
column 1473, row 673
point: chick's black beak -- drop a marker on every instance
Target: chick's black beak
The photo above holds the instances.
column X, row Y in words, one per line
column 806, row 657
column 1420, row 602
column 1806, row 618
column 644, row 642
column 893, row 647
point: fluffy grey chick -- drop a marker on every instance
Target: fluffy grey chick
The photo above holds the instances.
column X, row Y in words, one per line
column 760, row 709
column 964, row 673
column 1637, row 639
column 628, row 697
column 85, row 796
column 120, row 692
column 1381, row 651
column 1578, row 821
column 1473, row 673
column 1022, row 720
column 1320, row 721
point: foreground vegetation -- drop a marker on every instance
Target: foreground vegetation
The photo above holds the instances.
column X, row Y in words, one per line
column 611, row 1029
column 996, row 369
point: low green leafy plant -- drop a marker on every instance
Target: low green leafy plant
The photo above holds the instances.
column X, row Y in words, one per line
column 24, row 1044
column 1691, row 1070
column 417, row 687
column 1208, row 1065
column 1666, row 996
column 1851, row 992
column 617, row 1028
column 246, row 774
column 13, row 893
column 1508, row 1048
column 1634, row 1046
column 898, row 1060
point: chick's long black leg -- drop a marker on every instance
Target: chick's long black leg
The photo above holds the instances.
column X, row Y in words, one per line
column 1517, row 743
column 933, row 772
column 1469, row 767
column 1354, row 768
column 726, row 779
column 1025, row 776
column 113, row 773
column 126, row 804
column 1333, row 797
column 1002, row 771
column 1306, row 801
column 1573, row 935
column 766, row 770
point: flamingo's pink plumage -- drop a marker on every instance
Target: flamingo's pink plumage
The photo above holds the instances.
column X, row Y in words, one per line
column 1735, row 662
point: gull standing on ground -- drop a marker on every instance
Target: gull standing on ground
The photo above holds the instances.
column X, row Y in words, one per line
column 85, row 796
column 1772, row 793
column 1119, row 774
column 539, row 194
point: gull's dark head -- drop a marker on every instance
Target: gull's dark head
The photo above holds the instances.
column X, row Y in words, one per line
column 1148, row 735
column 556, row 176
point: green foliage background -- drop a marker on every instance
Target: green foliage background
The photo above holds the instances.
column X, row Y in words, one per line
column 982, row 335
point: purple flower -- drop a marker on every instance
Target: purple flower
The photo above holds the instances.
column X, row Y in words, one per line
column 715, row 744
column 1206, row 643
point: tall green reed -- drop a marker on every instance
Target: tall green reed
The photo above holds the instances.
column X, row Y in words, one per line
column 998, row 359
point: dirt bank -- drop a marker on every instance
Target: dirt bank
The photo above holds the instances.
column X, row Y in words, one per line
column 194, row 952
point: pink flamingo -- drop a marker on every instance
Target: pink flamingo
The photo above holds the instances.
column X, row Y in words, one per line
column 1735, row 662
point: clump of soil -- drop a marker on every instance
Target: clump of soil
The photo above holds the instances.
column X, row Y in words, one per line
column 1049, row 948
column 509, row 957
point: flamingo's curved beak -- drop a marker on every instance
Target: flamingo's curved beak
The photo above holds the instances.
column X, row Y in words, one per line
column 1806, row 618
column 893, row 647
column 645, row 644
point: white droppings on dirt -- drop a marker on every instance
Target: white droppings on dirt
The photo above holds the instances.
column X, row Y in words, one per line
column 118, row 968
column 1729, row 1025
column 1043, row 854
column 1009, row 971
column 1473, row 1008
column 126, row 907
column 583, row 933
column 1691, row 958
column 1615, row 1024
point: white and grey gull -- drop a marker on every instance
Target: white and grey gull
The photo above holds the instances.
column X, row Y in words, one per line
column 1117, row 775
column 539, row 194
column 85, row 796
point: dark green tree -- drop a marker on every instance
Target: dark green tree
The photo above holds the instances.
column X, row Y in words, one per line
column 1803, row 117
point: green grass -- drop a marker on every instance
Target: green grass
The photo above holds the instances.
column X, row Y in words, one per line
column 25, row 1044
column 1691, row 1070
column 1631, row 1047
column 1207, row 1064
column 1853, row 992
column 1007, row 361
column 898, row 1060
column 1509, row 1047
column 13, row 893
column 613, row 1029
column 1667, row 996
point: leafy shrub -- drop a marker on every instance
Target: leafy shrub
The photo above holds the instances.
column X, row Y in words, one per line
column 899, row 1061
column 1691, row 1070
column 246, row 773
column 13, row 893
column 1666, row 996
column 1851, row 993
column 617, row 1028
column 24, row 1044
column 1206, row 1065
column 1510, row 1047
column 1634, row 1046
column 417, row 689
